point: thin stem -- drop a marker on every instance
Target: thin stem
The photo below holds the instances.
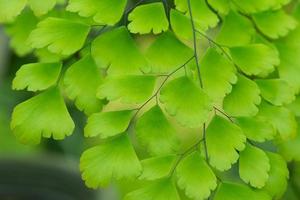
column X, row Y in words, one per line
column 160, row 87
column 225, row 114
column 204, row 142
column 195, row 43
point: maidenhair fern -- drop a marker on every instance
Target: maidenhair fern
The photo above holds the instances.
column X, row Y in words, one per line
column 151, row 74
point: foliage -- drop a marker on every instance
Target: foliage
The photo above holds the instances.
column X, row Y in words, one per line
column 149, row 73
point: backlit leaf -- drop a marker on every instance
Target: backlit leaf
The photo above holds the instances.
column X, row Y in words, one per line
column 276, row 91
column 11, row 9
column 159, row 190
column 255, row 59
column 157, row 167
column 108, row 124
column 257, row 128
column 275, row 24
column 103, row 12
column 223, row 154
column 254, row 166
column 44, row 115
column 60, row 36
column 117, row 51
column 37, row 76
column 147, row 18
column 115, row 159
column 127, row 89
column 81, row 82
column 243, row 99
column 187, row 102
column 195, row 177
column 166, row 54
column 154, row 131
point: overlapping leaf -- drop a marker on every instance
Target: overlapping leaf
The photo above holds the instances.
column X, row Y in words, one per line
column 60, row 36
column 255, row 59
column 11, row 9
column 275, row 24
column 276, row 91
column 230, row 191
column 195, row 177
column 115, row 159
column 278, row 175
column 108, row 124
column 128, row 89
column 281, row 118
column 187, row 102
column 202, row 15
column 223, row 154
column 103, row 12
column 157, row 167
column 243, row 99
column 147, row 18
column 218, row 74
column 44, row 115
column 37, row 76
column 117, row 51
column 81, row 82
column 257, row 128
column 166, row 54
column 159, row 190
column 41, row 7
column 236, row 30
column 254, row 166
column 154, row 131
column 19, row 32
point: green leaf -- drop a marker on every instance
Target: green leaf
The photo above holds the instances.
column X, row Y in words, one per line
column 295, row 106
column 290, row 149
column 233, row 191
column 255, row 59
column 274, row 24
column 243, row 99
column 202, row 15
column 103, row 12
column 289, row 50
column 281, row 118
column 147, row 18
column 255, row 6
column 37, row 76
column 60, row 36
column 117, row 51
column 222, row 6
column 181, row 25
column 115, row 159
column 276, row 91
column 155, row 132
column 278, row 175
column 81, row 82
column 166, row 54
column 108, row 124
column 19, row 32
column 254, row 166
column 257, row 128
column 224, row 139
column 218, row 74
column 187, row 102
column 236, row 30
column 41, row 7
column 44, row 115
column 159, row 190
column 195, row 177
column 157, row 167
column 127, row 89
column 11, row 9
